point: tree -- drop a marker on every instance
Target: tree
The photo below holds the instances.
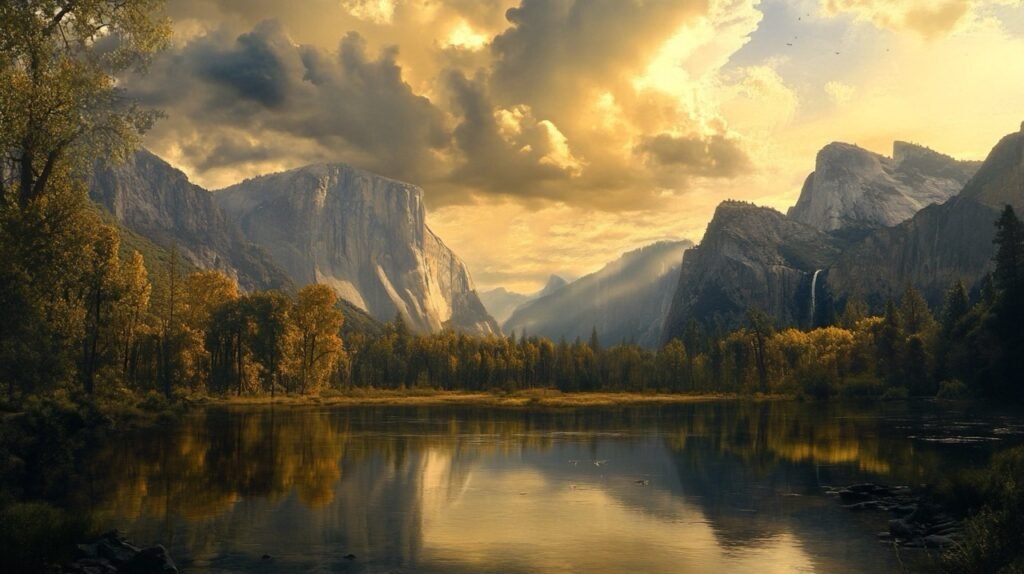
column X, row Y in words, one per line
column 128, row 316
column 272, row 335
column 60, row 111
column 318, row 324
column 1009, row 258
column 761, row 329
column 202, row 292
column 855, row 310
column 101, row 289
column 60, row 106
column 955, row 307
column 889, row 342
column 916, row 316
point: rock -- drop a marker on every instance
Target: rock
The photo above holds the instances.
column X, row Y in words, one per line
column 850, row 496
column 905, row 509
column 152, row 560
column 350, row 557
column 900, row 528
column 937, row 541
column 853, row 189
column 888, row 259
column 866, row 505
column 111, row 553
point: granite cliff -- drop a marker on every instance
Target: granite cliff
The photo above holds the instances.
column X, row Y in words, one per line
column 364, row 235
column 854, row 190
column 158, row 202
column 750, row 257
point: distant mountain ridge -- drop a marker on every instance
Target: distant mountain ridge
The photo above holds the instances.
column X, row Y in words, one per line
column 501, row 303
column 626, row 300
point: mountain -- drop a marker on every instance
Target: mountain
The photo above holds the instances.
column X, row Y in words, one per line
column 941, row 243
column 158, row 202
column 500, row 302
column 750, row 257
column 625, row 301
column 364, row 235
column 854, row 190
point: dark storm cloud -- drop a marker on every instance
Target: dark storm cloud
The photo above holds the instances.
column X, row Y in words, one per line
column 490, row 160
column 253, row 67
column 253, row 86
column 715, row 156
column 348, row 106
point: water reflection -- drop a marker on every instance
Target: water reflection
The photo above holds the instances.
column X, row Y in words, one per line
column 695, row 488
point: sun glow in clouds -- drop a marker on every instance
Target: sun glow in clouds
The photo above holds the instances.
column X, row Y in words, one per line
column 624, row 112
column 463, row 36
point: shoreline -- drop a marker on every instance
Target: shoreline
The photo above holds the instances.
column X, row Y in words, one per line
column 519, row 399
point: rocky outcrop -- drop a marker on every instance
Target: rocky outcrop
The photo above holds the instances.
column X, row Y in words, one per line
column 940, row 244
column 750, row 257
column 364, row 235
column 501, row 303
column 625, row 301
column 158, row 202
column 855, row 190
column 111, row 553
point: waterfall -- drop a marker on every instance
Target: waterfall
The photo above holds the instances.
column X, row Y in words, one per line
column 814, row 292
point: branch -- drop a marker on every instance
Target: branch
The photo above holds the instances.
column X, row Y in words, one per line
column 55, row 21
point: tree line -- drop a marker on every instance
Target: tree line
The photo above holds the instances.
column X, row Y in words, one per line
column 108, row 325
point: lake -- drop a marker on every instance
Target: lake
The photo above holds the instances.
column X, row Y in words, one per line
column 703, row 487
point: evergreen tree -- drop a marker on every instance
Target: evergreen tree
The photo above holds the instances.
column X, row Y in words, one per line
column 955, row 306
column 1009, row 258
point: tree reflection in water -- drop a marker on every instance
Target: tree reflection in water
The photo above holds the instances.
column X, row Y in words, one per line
column 697, row 487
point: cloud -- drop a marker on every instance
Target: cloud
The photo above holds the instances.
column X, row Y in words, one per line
column 234, row 103
column 376, row 11
column 928, row 18
column 716, row 156
column 839, row 92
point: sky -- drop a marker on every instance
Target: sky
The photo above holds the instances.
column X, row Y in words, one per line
column 550, row 136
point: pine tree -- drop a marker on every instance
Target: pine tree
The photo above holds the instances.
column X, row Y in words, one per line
column 955, row 307
column 1009, row 258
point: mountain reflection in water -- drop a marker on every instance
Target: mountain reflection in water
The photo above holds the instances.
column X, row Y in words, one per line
column 703, row 487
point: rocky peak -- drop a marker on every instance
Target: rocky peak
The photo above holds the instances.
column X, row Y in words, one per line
column 157, row 201
column 554, row 283
column 853, row 189
column 750, row 257
column 1000, row 180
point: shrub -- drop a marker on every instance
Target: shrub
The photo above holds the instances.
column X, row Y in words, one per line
column 35, row 534
column 953, row 390
column 994, row 537
column 896, row 394
column 861, row 387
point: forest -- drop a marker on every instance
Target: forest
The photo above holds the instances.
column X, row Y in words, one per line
column 114, row 326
